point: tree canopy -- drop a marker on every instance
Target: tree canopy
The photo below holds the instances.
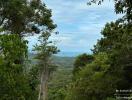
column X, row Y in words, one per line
column 19, row 18
column 24, row 16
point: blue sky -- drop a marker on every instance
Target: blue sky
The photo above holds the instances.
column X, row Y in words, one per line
column 79, row 25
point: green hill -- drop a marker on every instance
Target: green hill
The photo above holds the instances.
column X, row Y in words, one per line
column 58, row 60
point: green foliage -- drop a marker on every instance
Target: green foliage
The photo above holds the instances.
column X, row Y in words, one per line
column 45, row 50
column 111, row 68
column 92, row 82
column 57, row 94
column 17, row 19
column 13, row 81
column 96, row 76
column 117, row 43
column 81, row 62
column 24, row 16
column 33, row 81
column 13, row 47
column 60, row 79
column 63, row 61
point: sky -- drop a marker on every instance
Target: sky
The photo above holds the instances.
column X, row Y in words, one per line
column 79, row 25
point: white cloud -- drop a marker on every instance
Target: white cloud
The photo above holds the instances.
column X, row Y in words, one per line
column 79, row 25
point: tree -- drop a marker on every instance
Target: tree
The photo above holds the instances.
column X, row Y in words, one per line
column 117, row 43
column 113, row 54
column 24, row 16
column 81, row 61
column 45, row 50
column 18, row 18
column 111, row 68
column 13, row 81
column 93, row 82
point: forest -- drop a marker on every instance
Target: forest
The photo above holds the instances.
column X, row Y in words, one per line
column 104, row 74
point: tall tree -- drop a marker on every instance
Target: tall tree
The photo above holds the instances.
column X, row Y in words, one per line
column 21, row 17
column 24, row 16
column 45, row 50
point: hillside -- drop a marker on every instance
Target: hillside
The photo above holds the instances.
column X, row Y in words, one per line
column 58, row 60
column 61, row 77
column 63, row 61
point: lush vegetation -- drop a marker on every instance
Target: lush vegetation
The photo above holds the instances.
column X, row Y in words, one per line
column 87, row 77
column 112, row 65
column 101, row 75
column 60, row 79
column 20, row 18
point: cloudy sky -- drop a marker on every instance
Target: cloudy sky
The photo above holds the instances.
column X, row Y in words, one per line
column 79, row 25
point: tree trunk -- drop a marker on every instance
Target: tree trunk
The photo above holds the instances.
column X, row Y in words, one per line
column 43, row 85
